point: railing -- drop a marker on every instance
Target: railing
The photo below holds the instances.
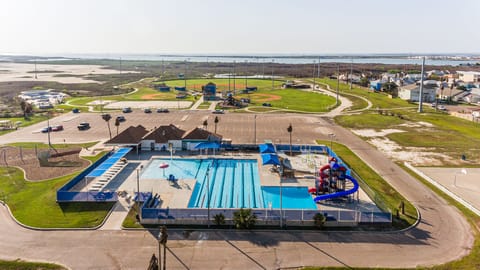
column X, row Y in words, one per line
column 200, row 215
column 90, row 196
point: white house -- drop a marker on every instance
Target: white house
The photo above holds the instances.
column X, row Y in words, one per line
column 412, row 92
column 469, row 76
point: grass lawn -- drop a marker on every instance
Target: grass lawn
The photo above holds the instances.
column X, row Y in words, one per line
column 31, row 145
column 380, row 100
column 222, row 84
column 33, row 203
column 442, row 136
column 23, row 265
column 291, row 99
column 25, row 122
column 204, row 105
column 384, row 195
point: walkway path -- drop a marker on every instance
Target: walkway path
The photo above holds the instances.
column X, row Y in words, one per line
column 117, row 216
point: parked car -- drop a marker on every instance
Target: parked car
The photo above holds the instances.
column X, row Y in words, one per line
column 121, row 118
column 162, row 110
column 57, row 128
column 147, row 110
column 127, row 110
column 442, row 108
column 75, row 110
column 218, row 111
column 46, row 129
column 267, row 105
column 83, row 126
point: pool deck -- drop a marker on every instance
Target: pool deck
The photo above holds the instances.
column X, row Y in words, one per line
column 178, row 195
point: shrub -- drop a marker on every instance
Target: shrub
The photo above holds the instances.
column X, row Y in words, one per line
column 319, row 220
column 219, row 219
column 244, row 219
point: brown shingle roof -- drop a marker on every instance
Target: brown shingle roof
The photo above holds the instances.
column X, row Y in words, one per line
column 131, row 135
column 199, row 134
column 165, row 133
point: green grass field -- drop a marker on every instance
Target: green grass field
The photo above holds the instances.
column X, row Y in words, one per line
column 25, row 122
column 33, row 203
column 23, row 265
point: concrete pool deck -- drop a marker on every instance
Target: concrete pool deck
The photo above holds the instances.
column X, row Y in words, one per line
column 178, row 195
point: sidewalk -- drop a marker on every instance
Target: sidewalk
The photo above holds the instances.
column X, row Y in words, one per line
column 117, row 216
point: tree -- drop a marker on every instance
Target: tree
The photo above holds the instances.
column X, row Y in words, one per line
column 319, row 220
column 26, row 108
column 244, row 218
column 117, row 124
column 219, row 219
column 290, row 129
column 205, row 124
column 107, row 118
column 364, row 81
column 216, row 122
column 391, row 88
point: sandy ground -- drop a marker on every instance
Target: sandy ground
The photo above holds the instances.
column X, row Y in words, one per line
column 24, row 72
column 414, row 155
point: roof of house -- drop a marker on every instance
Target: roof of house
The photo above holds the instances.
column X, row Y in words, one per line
column 199, row 134
column 163, row 134
column 130, row 135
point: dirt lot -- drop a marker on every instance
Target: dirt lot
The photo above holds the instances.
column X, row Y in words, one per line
column 12, row 156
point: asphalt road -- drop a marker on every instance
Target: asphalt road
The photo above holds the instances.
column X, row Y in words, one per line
column 442, row 234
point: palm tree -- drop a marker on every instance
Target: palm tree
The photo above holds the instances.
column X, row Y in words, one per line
column 205, row 124
column 117, row 124
column 244, row 218
column 216, row 122
column 107, row 118
column 290, row 129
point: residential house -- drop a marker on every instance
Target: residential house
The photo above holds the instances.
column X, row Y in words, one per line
column 411, row 92
column 469, row 76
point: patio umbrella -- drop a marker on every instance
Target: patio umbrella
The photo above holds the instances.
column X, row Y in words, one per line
column 163, row 166
column 271, row 159
column 267, row 148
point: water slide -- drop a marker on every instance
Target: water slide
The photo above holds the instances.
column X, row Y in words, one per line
column 341, row 193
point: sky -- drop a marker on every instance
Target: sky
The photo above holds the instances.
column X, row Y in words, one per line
column 239, row 27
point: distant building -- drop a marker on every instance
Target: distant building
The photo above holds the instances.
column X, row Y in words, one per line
column 209, row 91
column 162, row 87
column 43, row 99
column 411, row 92
column 469, row 76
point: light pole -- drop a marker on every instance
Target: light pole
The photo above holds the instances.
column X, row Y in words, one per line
column 208, row 197
column 331, row 135
column 162, row 239
column 313, row 87
column 273, row 60
column 138, row 192
column 185, row 76
column 281, row 208
column 462, row 171
column 338, row 82
column 246, row 78
column 234, row 86
column 255, row 129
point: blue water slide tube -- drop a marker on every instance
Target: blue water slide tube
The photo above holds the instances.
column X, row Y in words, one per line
column 341, row 193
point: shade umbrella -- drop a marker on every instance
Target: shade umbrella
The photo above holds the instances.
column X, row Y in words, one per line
column 163, row 166
column 271, row 159
column 267, row 148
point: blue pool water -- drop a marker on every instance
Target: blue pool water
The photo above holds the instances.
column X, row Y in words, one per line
column 232, row 183
column 292, row 198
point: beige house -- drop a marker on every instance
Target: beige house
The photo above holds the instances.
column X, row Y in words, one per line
column 469, row 76
column 412, row 92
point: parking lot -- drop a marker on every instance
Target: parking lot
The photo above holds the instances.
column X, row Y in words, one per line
column 241, row 128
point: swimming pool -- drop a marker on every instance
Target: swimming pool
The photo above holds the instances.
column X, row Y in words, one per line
column 232, row 183
column 292, row 198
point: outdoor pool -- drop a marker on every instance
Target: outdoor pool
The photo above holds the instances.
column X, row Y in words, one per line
column 228, row 183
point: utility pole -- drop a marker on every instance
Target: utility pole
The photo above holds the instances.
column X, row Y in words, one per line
column 246, row 77
column 313, row 87
column 120, row 65
column 420, row 95
column 318, row 68
column 273, row 60
column 234, row 78
column 36, row 69
column 338, row 81
column 185, row 76
column 351, row 74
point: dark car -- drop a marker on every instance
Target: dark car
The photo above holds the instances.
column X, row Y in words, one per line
column 267, row 105
column 83, row 126
column 127, row 110
column 57, row 128
column 147, row 110
column 162, row 110
column 46, row 130
column 121, row 118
